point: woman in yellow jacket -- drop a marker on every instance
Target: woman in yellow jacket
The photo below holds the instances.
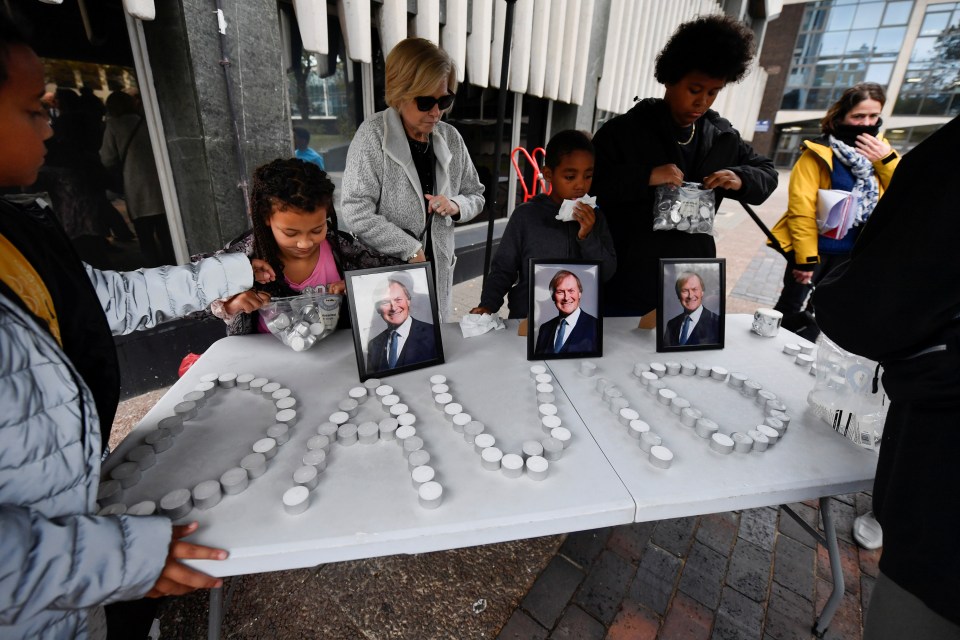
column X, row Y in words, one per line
column 848, row 156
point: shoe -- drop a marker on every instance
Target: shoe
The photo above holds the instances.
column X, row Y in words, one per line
column 867, row 531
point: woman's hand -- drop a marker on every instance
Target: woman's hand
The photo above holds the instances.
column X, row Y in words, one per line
column 584, row 214
column 177, row 578
column 666, row 174
column 246, row 302
column 871, row 148
column 443, row 206
column 338, row 287
column 262, row 271
column 481, row 311
column 723, row 179
column 802, row 277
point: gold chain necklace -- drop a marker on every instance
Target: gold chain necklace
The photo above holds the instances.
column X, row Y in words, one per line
column 693, row 132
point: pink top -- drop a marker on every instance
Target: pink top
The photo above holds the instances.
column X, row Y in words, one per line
column 323, row 274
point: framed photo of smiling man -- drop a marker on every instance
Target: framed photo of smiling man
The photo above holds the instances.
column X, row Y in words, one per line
column 564, row 307
column 690, row 313
column 396, row 323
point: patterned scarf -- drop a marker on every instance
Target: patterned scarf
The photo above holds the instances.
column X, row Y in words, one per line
column 866, row 191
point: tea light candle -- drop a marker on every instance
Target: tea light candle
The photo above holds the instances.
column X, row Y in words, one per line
column 109, row 492
column 658, row 368
column 347, row 434
column 647, row 377
column 791, row 349
column 399, row 409
column 552, row 449
column 411, row 444
column 806, row 348
column 689, row 416
column 421, row 475
column 544, row 387
column 256, row 385
column 511, row 465
column 286, row 403
column 760, row 441
column 776, row 425
column 536, row 370
column 269, row 388
column 546, row 398
column 244, row 380
column 721, row 443
column 160, row 440
column 764, row 396
column 173, row 424
column 678, row 404
column 430, row 495
column 537, row 468
column 234, row 480
column 208, row 389
column 617, row 405
column 602, row 384
column 775, row 406
column 803, row 360
column 742, row 443
column 227, row 380
column 358, row 393
column 750, row 388
column 371, row 385
column 145, row 508
column 472, row 430
column 460, row 421
column 417, row 459
column 265, row 446
column 532, row 448
column 316, row 458
column 782, row 417
column 628, row 415
column 296, row 500
column 654, row 386
column 548, row 409
column 117, row 509
column 649, row 439
column 209, row 377
column 349, row 406
column 405, row 432
column 339, row 417
column 406, row 419
column 287, row 417
column 390, row 400
column 186, row 410
column 143, row 456
column 280, row 393
column 673, row 368
column 666, row 396
column 482, row 441
column 660, row 457
column 328, row 429
column 687, row 368
column 587, row 369
column 384, row 390
column 490, row 458
column 280, row 433
column 706, row 427
column 563, row 435
column 452, row 409
column 176, row 504
column 770, row 432
column 440, row 388
column 195, row 397
column 368, row 433
column 549, row 423
column 307, row 476
column 438, row 379
column 704, row 370
column 737, row 379
column 718, row 373
column 388, row 428
column 255, row 464
column 637, row 428
column 207, row 495
column 543, row 377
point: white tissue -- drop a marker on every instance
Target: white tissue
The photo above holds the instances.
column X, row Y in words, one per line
column 566, row 209
column 477, row 324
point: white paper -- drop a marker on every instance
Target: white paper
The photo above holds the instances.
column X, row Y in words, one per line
column 477, row 324
column 566, row 209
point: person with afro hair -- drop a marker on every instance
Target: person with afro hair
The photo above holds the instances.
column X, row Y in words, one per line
column 668, row 141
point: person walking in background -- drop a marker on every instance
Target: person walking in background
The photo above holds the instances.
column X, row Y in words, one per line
column 301, row 142
column 126, row 145
column 669, row 141
column 850, row 156
column 408, row 175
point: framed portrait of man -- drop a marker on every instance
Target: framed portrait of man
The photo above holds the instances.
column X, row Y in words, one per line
column 565, row 317
column 692, row 304
column 396, row 323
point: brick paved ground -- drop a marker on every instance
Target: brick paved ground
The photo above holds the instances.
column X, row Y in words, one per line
column 735, row 575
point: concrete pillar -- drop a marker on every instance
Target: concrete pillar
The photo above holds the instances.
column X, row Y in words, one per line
column 184, row 47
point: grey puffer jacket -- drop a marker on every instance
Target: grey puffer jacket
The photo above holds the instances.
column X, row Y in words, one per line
column 58, row 561
column 382, row 195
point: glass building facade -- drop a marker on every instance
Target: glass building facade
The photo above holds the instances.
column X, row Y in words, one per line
column 931, row 85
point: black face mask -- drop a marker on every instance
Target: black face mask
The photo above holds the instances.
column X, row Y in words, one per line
column 847, row 133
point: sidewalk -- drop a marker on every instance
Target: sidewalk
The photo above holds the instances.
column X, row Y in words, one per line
column 745, row 574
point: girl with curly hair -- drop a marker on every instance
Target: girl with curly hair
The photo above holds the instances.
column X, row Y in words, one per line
column 668, row 141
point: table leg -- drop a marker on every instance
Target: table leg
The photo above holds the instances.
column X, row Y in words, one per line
column 830, row 533
column 215, row 617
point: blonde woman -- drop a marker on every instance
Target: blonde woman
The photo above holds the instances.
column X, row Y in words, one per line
column 409, row 176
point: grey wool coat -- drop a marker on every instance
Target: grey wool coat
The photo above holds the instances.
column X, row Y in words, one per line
column 382, row 195
column 58, row 561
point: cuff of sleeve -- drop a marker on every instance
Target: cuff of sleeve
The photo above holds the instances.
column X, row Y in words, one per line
column 146, row 541
column 219, row 309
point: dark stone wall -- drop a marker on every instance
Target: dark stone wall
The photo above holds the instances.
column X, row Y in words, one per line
column 184, row 48
column 775, row 57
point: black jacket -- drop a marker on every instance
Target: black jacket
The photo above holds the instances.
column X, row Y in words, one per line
column 707, row 330
column 420, row 346
column 583, row 338
column 628, row 148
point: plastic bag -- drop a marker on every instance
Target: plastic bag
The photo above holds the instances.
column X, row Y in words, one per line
column 303, row 320
column 843, row 395
column 685, row 208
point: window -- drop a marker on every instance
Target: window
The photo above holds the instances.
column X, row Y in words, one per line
column 932, row 80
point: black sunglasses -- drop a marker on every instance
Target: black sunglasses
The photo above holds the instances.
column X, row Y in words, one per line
column 425, row 103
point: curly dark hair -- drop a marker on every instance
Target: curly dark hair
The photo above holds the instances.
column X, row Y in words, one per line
column 11, row 34
column 717, row 46
column 564, row 143
column 286, row 184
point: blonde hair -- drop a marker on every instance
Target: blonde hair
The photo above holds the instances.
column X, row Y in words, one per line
column 415, row 67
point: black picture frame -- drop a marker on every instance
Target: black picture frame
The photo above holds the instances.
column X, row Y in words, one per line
column 708, row 332
column 586, row 338
column 422, row 346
